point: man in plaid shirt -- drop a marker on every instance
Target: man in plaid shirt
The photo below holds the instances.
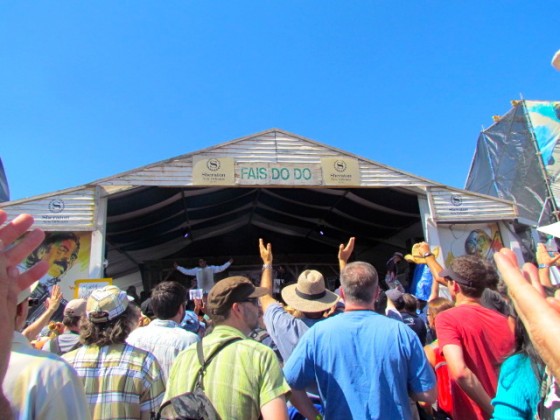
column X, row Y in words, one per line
column 121, row 381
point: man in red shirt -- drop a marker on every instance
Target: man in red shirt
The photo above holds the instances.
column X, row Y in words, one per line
column 474, row 339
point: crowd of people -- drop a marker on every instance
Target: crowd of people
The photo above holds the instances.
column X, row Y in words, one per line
column 247, row 351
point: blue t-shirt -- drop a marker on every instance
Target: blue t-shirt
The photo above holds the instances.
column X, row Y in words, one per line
column 518, row 392
column 421, row 282
column 365, row 365
column 285, row 329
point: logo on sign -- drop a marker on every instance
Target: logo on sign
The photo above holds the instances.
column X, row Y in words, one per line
column 339, row 166
column 456, row 200
column 213, row 164
column 56, row 205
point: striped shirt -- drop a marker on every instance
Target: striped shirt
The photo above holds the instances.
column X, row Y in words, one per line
column 121, row 381
column 242, row 378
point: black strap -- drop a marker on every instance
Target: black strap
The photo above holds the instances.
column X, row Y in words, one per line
column 204, row 363
column 55, row 346
column 308, row 296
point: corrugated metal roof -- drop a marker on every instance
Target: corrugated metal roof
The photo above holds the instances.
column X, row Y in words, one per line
column 72, row 211
column 270, row 146
column 455, row 206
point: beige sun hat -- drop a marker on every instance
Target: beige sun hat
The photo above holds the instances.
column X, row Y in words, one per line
column 309, row 294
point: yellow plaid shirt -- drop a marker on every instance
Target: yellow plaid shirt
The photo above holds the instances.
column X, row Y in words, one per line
column 242, row 378
column 121, row 381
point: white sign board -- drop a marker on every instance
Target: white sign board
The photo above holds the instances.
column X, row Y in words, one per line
column 83, row 288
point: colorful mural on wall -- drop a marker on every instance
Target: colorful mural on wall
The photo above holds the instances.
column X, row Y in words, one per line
column 68, row 256
column 481, row 240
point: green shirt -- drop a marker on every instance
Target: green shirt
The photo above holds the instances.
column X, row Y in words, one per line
column 242, row 378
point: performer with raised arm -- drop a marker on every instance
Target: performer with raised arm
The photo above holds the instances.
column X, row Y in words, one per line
column 204, row 273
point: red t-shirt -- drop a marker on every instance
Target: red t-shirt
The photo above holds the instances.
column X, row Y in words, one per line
column 444, row 400
column 486, row 340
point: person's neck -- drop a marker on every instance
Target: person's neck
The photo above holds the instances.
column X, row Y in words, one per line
column 466, row 300
column 313, row 315
column 237, row 325
column 351, row 306
column 178, row 317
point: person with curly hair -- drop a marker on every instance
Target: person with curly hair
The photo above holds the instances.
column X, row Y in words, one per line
column 121, row 381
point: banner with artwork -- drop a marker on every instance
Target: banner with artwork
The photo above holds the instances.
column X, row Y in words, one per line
column 545, row 122
column 67, row 254
column 481, row 239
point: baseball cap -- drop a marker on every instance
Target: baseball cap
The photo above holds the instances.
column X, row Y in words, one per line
column 231, row 290
column 395, row 295
column 76, row 307
column 25, row 293
column 106, row 304
column 449, row 273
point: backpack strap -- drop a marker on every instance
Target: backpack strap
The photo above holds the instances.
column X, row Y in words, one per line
column 204, row 363
column 55, row 346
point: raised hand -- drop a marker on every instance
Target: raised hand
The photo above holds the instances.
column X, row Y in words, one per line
column 540, row 315
column 345, row 251
column 265, row 251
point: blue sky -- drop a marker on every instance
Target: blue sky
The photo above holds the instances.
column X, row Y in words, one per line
column 92, row 89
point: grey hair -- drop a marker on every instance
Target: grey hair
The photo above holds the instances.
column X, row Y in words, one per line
column 359, row 281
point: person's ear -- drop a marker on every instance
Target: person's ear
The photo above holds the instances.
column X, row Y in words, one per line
column 455, row 287
column 236, row 308
column 341, row 291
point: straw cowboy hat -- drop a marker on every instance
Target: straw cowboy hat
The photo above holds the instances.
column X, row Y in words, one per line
column 309, row 294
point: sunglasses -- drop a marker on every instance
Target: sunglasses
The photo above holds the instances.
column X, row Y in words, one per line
column 254, row 301
column 33, row 302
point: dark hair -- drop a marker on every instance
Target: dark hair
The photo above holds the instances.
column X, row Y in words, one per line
column 524, row 346
column 113, row 332
column 50, row 239
column 492, row 276
column 218, row 319
column 359, row 280
column 381, row 303
column 473, row 269
column 398, row 303
column 71, row 321
column 167, row 298
column 410, row 303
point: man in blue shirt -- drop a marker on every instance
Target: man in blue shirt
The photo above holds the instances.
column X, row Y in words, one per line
column 309, row 296
column 364, row 364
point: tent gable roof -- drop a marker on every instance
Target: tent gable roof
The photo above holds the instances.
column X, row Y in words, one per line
column 270, row 146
